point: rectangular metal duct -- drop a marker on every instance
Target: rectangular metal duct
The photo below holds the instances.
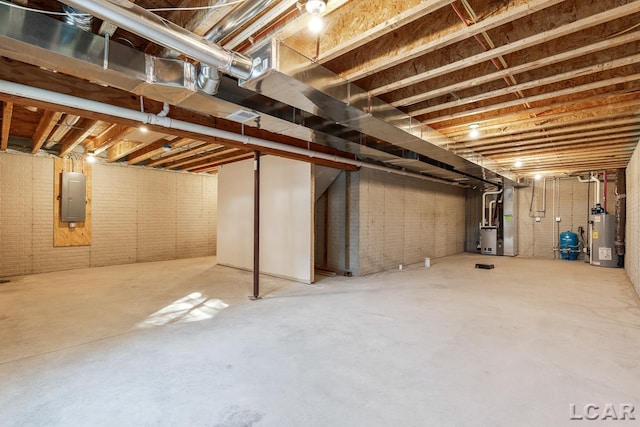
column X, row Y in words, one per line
column 37, row 39
column 290, row 77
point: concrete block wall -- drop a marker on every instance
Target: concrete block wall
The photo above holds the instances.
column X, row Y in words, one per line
column 569, row 199
column 632, row 238
column 139, row 215
column 404, row 220
column 331, row 224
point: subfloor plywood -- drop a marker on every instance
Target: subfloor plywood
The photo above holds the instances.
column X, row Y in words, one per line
column 179, row 343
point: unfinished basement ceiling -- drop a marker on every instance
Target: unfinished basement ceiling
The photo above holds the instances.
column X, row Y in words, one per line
column 550, row 83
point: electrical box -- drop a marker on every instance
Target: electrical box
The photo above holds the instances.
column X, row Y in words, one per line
column 73, row 197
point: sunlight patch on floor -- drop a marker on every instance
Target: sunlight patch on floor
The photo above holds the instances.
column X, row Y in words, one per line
column 192, row 308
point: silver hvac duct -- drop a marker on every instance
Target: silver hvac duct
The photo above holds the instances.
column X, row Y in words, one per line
column 209, row 78
column 139, row 21
column 70, row 101
column 240, row 16
column 75, row 17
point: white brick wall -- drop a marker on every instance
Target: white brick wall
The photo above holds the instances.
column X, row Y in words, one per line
column 572, row 204
column 138, row 215
column 404, row 220
column 632, row 238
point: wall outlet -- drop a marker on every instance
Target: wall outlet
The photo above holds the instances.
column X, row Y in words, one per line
column 537, row 219
column 557, row 219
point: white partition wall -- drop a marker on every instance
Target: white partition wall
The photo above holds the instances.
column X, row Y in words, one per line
column 286, row 220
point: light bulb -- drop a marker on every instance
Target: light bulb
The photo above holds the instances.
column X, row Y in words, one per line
column 517, row 163
column 474, row 132
column 316, row 24
column 91, row 158
column 537, row 177
column 143, row 129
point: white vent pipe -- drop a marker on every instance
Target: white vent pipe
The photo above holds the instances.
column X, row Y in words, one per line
column 593, row 178
column 484, row 205
column 19, row 90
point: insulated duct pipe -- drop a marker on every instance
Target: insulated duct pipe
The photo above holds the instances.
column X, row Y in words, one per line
column 240, row 16
column 19, row 90
column 484, row 204
column 138, row 20
column 621, row 214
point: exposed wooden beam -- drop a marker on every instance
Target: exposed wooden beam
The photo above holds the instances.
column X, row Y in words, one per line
column 48, row 121
column 516, row 149
column 500, row 74
column 121, row 149
column 74, row 138
column 569, row 75
column 359, row 22
column 574, row 148
column 7, row 113
column 222, row 151
column 200, row 147
column 124, row 148
column 509, row 48
column 110, row 137
column 422, row 45
column 534, row 98
column 155, row 149
column 530, row 134
column 583, row 136
column 573, row 164
column 228, row 157
column 516, row 127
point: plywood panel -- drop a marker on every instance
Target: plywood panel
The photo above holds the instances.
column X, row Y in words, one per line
column 63, row 233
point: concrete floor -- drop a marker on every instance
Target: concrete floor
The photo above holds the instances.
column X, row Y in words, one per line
column 179, row 344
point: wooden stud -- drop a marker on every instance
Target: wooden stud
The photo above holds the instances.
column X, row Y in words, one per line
column 48, row 121
column 500, row 74
column 506, row 49
column 7, row 113
column 155, row 149
column 77, row 136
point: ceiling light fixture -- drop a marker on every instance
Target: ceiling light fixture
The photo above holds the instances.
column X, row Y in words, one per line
column 143, row 129
column 537, row 177
column 91, row 158
column 315, row 8
column 474, row 132
column 517, row 163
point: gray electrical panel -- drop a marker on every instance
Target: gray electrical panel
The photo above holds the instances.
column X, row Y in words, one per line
column 73, row 197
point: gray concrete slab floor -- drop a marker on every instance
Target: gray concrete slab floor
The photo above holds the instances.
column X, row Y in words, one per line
column 178, row 343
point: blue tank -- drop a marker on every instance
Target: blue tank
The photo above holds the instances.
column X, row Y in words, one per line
column 569, row 246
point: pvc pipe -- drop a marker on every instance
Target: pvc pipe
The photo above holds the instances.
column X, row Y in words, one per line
column 593, row 178
column 484, row 204
column 23, row 91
